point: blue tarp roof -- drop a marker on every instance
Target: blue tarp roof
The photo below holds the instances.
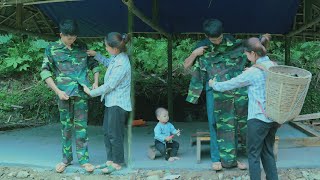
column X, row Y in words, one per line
column 98, row 17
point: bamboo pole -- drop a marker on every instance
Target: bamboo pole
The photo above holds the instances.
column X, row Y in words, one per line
column 132, row 114
column 304, row 27
column 170, row 97
column 144, row 18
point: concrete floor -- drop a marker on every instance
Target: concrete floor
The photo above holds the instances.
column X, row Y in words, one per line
column 40, row 147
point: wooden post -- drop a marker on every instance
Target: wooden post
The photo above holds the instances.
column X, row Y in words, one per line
column 170, row 97
column 19, row 14
column 304, row 27
column 144, row 18
column 132, row 114
column 287, row 50
column 155, row 12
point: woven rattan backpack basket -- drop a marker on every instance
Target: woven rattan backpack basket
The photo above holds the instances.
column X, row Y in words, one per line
column 286, row 89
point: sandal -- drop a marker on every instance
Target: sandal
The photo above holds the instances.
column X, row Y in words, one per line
column 101, row 166
column 88, row 167
column 217, row 166
column 60, row 167
column 241, row 166
column 108, row 169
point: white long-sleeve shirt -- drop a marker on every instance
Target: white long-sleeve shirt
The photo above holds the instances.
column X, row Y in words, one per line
column 117, row 81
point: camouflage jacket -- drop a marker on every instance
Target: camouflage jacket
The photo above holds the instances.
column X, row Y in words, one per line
column 223, row 62
column 69, row 68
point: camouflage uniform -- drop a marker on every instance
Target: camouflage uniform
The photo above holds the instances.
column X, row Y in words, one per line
column 223, row 62
column 70, row 71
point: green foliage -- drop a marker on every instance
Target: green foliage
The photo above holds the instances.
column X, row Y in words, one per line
column 37, row 100
column 21, row 54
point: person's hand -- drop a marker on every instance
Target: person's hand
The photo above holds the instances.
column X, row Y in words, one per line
column 199, row 51
column 267, row 36
column 212, row 81
column 86, row 90
column 62, row 95
column 169, row 138
column 178, row 133
column 95, row 85
column 91, row 52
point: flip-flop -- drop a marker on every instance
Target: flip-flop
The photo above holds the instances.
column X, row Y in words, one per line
column 108, row 169
column 88, row 167
column 101, row 166
column 60, row 167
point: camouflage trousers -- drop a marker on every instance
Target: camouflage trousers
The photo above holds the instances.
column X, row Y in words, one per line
column 74, row 115
column 231, row 118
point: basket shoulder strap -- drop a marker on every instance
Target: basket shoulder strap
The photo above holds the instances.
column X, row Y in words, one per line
column 262, row 68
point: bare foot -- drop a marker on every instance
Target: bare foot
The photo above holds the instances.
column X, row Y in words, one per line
column 216, row 166
column 171, row 159
column 117, row 166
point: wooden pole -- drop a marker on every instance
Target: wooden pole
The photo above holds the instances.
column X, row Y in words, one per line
column 17, row 31
column 19, row 14
column 287, row 50
column 170, row 97
column 144, row 18
column 132, row 114
column 155, row 12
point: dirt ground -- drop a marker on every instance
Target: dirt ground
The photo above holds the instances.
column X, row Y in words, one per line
column 13, row 173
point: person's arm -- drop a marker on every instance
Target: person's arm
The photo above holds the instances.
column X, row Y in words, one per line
column 172, row 129
column 97, row 56
column 115, row 78
column 46, row 75
column 189, row 61
column 96, row 80
column 62, row 95
column 244, row 79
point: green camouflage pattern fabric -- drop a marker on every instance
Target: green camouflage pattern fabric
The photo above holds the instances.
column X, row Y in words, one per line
column 223, row 62
column 68, row 68
column 74, row 115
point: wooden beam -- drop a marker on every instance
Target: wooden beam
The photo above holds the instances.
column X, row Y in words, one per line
column 305, row 129
column 32, row 2
column 144, row 18
column 30, row 17
column 299, row 142
column 46, row 22
column 14, row 30
column 304, row 27
column 307, row 117
column 9, row 17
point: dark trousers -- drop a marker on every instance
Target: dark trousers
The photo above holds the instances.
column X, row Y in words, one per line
column 260, row 140
column 167, row 150
column 113, row 126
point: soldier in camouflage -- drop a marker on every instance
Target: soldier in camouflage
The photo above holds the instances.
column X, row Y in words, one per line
column 65, row 69
column 222, row 57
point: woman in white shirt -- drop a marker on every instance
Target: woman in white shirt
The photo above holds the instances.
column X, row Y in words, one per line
column 261, row 130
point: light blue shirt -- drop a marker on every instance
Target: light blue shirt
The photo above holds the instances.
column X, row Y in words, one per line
column 161, row 131
column 117, row 81
column 255, row 79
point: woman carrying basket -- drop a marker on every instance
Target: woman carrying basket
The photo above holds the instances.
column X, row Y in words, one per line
column 261, row 130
